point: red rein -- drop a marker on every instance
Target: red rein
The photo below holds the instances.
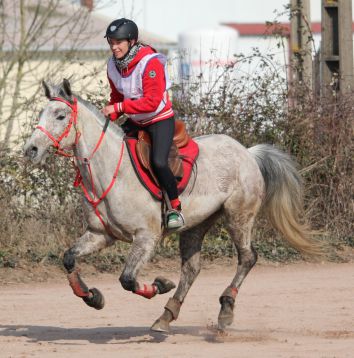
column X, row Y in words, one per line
column 93, row 200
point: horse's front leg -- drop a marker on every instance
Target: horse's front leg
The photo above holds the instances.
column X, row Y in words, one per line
column 86, row 244
column 142, row 248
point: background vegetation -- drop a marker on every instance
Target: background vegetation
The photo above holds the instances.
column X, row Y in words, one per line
column 41, row 213
column 40, row 210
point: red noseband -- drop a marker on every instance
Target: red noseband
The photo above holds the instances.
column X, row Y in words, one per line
column 73, row 120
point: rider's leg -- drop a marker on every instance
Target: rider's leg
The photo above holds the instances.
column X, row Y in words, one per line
column 161, row 134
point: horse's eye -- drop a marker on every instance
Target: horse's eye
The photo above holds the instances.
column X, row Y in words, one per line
column 61, row 117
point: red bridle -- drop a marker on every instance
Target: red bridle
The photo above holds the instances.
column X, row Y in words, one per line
column 72, row 121
column 95, row 200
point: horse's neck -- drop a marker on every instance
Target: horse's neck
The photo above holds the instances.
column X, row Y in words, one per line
column 91, row 127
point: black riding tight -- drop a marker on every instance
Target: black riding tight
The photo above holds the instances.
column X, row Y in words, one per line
column 161, row 134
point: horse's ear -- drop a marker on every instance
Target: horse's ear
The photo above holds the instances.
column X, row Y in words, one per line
column 65, row 91
column 67, row 88
column 46, row 89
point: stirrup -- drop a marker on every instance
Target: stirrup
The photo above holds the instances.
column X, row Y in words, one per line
column 175, row 219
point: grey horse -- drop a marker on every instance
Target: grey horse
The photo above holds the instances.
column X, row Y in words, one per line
column 232, row 181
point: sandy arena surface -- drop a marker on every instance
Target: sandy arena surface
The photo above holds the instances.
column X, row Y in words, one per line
column 297, row 310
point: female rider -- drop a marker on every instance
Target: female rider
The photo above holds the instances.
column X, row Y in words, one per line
column 139, row 82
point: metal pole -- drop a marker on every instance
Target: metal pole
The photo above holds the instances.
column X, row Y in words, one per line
column 345, row 46
column 301, row 43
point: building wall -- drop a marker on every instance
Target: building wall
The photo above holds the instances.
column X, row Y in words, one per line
column 274, row 49
column 85, row 74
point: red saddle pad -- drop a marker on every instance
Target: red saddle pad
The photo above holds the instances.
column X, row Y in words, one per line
column 189, row 155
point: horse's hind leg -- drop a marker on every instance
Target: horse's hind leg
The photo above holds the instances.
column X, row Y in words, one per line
column 240, row 233
column 87, row 244
column 190, row 247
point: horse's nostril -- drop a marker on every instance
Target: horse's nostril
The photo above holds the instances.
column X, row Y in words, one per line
column 31, row 152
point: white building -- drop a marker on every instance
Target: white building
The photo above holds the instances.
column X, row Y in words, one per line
column 272, row 41
column 204, row 54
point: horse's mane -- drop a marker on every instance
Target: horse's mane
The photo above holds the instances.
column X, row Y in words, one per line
column 98, row 115
column 91, row 107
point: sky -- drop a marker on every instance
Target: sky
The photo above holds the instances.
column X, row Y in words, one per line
column 168, row 18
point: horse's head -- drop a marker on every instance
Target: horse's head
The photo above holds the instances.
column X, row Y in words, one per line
column 56, row 123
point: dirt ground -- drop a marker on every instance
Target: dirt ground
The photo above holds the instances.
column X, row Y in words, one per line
column 297, row 310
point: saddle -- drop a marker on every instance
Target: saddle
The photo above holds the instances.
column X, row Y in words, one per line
column 180, row 139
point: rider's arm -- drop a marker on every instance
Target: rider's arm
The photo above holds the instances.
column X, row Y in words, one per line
column 115, row 98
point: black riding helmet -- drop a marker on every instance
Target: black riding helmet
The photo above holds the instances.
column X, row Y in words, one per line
column 122, row 29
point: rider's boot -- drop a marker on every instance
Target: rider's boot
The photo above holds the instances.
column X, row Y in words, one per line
column 175, row 219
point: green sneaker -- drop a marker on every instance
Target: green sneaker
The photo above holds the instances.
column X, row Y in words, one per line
column 175, row 220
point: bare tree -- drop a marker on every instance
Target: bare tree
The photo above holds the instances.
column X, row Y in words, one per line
column 37, row 38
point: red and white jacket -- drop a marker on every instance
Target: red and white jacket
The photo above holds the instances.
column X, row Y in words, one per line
column 140, row 91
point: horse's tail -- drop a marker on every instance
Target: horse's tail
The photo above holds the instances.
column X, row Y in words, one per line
column 283, row 202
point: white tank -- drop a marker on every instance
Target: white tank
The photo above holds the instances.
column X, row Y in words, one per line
column 205, row 54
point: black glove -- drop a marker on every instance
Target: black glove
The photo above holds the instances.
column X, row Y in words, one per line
column 129, row 127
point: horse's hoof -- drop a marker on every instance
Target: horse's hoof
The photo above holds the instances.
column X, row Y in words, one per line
column 226, row 315
column 161, row 326
column 95, row 300
column 224, row 321
column 164, row 285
